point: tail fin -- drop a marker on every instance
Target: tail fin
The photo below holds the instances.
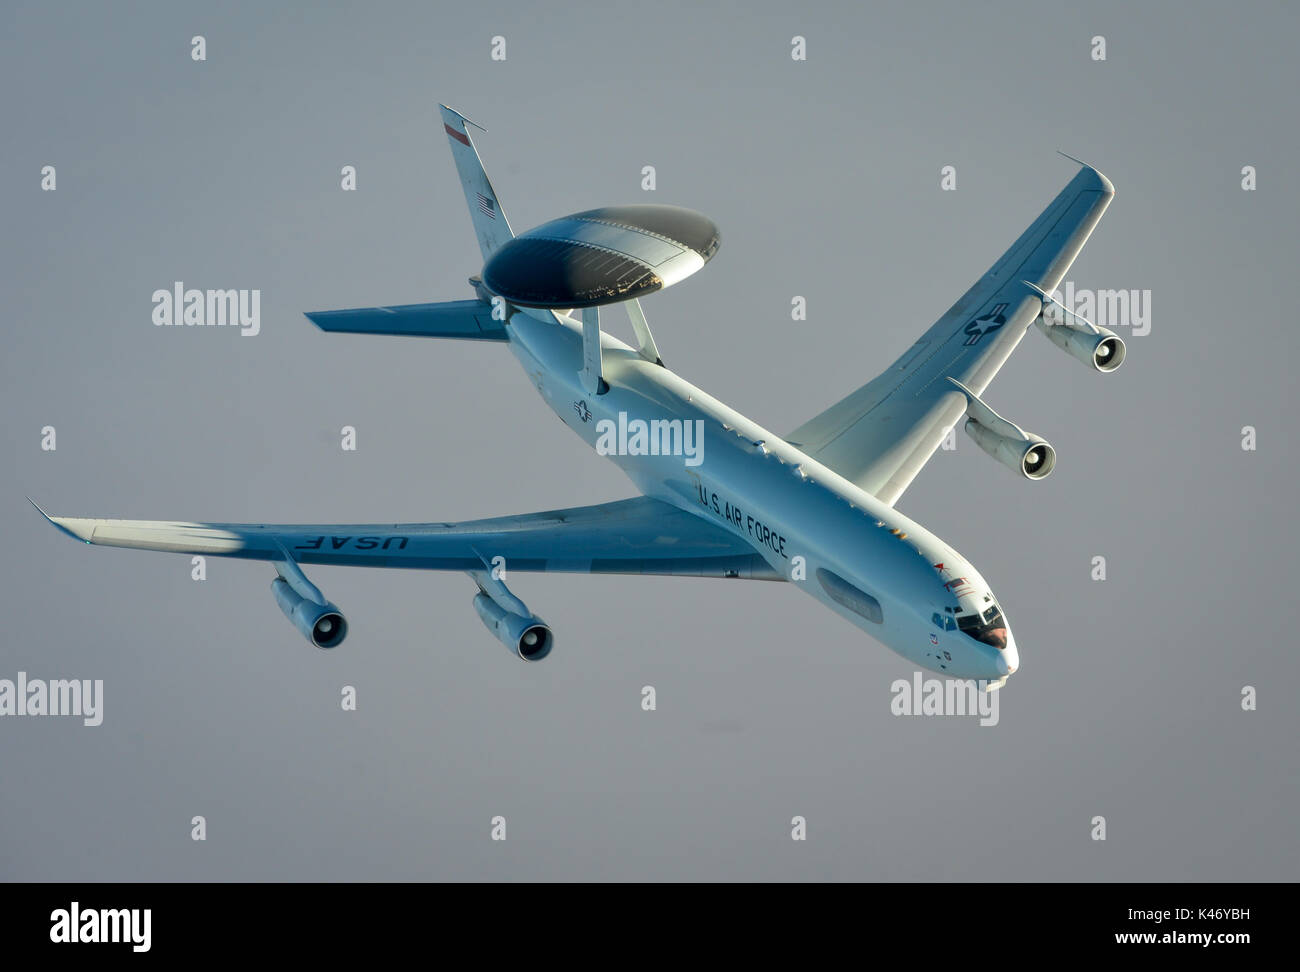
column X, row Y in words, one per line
column 490, row 223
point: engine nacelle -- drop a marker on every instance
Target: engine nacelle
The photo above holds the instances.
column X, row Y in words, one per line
column 1031, row 456
column 528, row 637
column 322, row 624
column 1079, row 337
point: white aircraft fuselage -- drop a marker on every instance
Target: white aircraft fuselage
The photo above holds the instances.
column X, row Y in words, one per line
column 785, row 504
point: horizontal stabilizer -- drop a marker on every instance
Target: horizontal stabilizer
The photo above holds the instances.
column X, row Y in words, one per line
column 469, row 319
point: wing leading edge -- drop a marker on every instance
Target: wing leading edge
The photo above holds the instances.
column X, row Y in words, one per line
column 881, row 435
column 633, row 536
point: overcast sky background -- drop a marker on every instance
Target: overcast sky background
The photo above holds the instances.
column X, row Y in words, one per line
column 824, row 177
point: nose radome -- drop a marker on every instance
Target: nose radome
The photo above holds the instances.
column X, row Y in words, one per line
column 1009, row 656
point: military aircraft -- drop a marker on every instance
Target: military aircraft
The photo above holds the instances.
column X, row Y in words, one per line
column 721, row 496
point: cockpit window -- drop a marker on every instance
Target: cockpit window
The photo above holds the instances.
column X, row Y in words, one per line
column 991, row 628
column 943, row 622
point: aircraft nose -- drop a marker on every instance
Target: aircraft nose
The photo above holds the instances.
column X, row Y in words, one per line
column 1008, row 657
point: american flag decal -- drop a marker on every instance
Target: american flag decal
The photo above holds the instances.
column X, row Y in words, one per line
column 487, row 206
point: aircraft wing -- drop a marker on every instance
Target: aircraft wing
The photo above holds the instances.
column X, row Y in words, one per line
column 632, row 536
column 881, row 435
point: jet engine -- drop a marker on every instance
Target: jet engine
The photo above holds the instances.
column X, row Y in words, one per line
column 1102, row 349
column 1030, row 455
column 528, row 637
column 1079, row 337
column 320, row 622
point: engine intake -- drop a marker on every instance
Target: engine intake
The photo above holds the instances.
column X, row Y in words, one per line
column 1102, row 349
column 527, row 637
column 321, row 623
column 1032, row 456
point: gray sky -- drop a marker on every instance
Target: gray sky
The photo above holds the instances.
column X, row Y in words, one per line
column 824, row 177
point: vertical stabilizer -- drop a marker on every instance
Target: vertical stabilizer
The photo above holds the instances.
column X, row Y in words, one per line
column 490, row 223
